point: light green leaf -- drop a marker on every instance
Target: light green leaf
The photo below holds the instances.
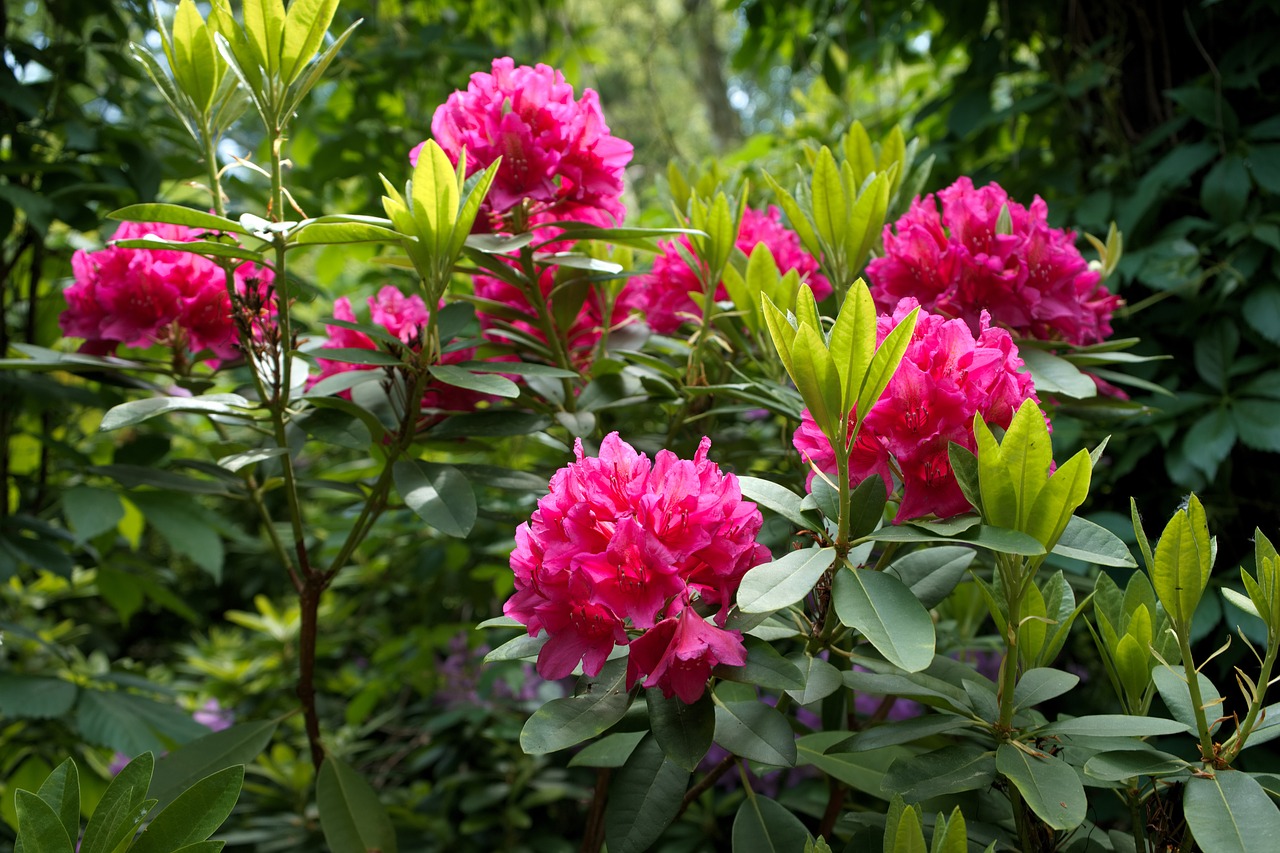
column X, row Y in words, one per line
column 778, row 498
column 175, row 214
column 137, row 411
column 440, row 494
column 194, row 815
column 352, row 817
column 264, row 24
column 1114, row 725
column 1055, row 375
column 887, row 614
column 830, row 208
column 1042, row 684
column 205, row 248
column 764, row 826
column 1230, row 813
column 817, row 380
column 1049, row 786
column 304, row 29
column 561, row 723
column 194, row 60
column 853, row 341
column 1181, row 569
column 1065, row 490
column 783, row 582
column 643, row 799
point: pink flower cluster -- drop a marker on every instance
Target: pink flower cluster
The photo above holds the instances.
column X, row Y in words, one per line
column 622, row 543
column 404, row 317
column 140, row 297
column 556, row 151
column 1033, row 281
column 945, row 378
column 579, row 340
column 663, row 294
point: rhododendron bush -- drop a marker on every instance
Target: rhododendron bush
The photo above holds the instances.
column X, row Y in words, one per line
column 763, row 557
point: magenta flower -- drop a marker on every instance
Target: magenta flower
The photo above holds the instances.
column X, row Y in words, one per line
column 623, row 545
column 404, row 317
column 663, row 294
column 556, row 151
column 1033, row 281
column 141, row 297
column 945, row 378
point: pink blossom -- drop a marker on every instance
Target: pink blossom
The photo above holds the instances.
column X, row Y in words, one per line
column 679, row 653
column 579, row 340
column 404, row 317
column 1033, row 280
column 556, row 151
column 663, row 294
column 623, row 545
column 141, row 297
column 945, row 378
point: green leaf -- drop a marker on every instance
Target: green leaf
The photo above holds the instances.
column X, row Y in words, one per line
column 359, row 355
column 1258, row 423
column 204, row 248
column 1173, row 690
column 1064, row 491
column 489, row 425
column 130, row 723
column 120, row 810
column 1055, row 375
column 820, row 678
column 1181, row 567
column 1121, row 765
column 863, row 771
column 1042, row 684
column 778, row 498
column 61, row 790
column 327, row 233
column 1225, row 190
column 482, row 383
column 35, row 697
column 194, row 59
column 1092, row 543
column 39, row 829
column 999, row 539
column 950, row 770
column 137, row 411
column 817, row 380
column 352, row 817
column 561, row 723
column 830, row 208
column 903, row 731
column 756, row 732
column 612, row 750
column 905, row 834
column 183, row 526
column 932, row 573
column 304, row 29
column 177, row 215
column 440, row 494
column 1230, row 812
column 195, row 814
column 1115, row 725
column 1048, row 785
column 764, row 826
column 853, row 341
column 765, row 667
column 643, row 799
column 264, row 24
column 783, row 582
column 684, row 732
column 1209, row 441
column 884, row 611
column 921, row 688
column 188, row 764
column 237, row 461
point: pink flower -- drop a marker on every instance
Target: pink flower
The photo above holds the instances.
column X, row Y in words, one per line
column 945, row 378
column 663, row 294
column 579, row 340
column 679, row 653
column 1033, row 280
column 556, row 151
column 140, row 297
column 623, row 544
column 404, row 317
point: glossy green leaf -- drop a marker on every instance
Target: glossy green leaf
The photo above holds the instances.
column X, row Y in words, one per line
column 1115, row 725
column 264, row 24
column 644, row 798
column 853, row 341
column 440, row 494
column 1121, row 765
column 195, row 814
column 684, row 732
column 561, row 723
column 1084, row 540
column 932, row 573
column 999, row 539
column 816, row 379
column 39, row 829
column 176, row 214
column 61, row 790
column 776, row 497
column 764, row 826
column 612, row 750
column 950, row 770
column 204, row 248
column 909, row 730
column 1182, row 563
column 783, row 582
column 137, row 411
column 1177, row 697
column 351, row 815
column 1055, row 375
column 756, row 732
column 188, row 764
column 1064, row 491
column 481, row 383
column 322, row 233
column 820, row 678
column 120, row 810
column 884, row 611
column 781, row 332
column 1049, row 786
column 304, row 30
column 1042, row 684
column 765, row 667
column 1230, row 813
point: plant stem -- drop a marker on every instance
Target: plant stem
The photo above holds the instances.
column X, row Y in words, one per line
column 1010, row 569
column 1135, row 817
column 593, row 838
column 309, row 604
column 1197, row 701
column 549, row 327
column 1241, row 736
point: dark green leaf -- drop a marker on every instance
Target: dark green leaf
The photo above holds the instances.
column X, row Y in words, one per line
column 35, row 697
column 561, row 723
column 338, row 427
column 1049, row 786
column 612, row 750
column 763, row 826
column 962, row 767
column 1121, row 765
column 1042, row 684
column 1115, row 725
column 903, row 731
column 1084, row 540
column 121, row 809
column 1230, row 812
column 39, row 829
column 1258, row 423
column 358, row 355
column 489, row 425
column 820, row 678
column 352, row 817
column 130, row 723
column 194, row 815
column 90, row 511
column 188, row 764
column 1225, row 190
column 643, row 799
column 61, row 790
column 184, row 528
column 765, row 667
column 440, row 494
column 932, row 573
column 683, row 731
column 481, row 383
column 756, row 732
